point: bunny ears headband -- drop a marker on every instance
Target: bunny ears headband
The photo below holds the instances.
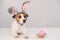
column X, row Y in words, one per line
column 24, row 8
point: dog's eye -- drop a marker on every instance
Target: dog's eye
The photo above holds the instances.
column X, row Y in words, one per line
column 19, row 16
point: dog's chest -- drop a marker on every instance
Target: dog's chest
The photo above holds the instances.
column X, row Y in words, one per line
column 16, row 26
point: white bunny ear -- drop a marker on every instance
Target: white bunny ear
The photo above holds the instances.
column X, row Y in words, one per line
column 12, row 10
column 25, row 5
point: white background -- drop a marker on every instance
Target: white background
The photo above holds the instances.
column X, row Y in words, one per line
column 42, row 13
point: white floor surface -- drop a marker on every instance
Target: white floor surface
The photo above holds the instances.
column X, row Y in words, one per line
column 53, row 33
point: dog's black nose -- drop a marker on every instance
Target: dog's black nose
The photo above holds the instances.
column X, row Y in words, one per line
column 24, row 21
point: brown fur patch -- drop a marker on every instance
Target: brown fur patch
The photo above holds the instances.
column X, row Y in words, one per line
column 18, row 18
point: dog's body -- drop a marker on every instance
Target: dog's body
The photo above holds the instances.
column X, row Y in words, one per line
column 17, row 28
column 18, row 25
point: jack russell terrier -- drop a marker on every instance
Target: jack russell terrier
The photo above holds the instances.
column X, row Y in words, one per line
column 18, row 25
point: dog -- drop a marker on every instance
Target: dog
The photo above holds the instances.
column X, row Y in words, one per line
column 18, row 25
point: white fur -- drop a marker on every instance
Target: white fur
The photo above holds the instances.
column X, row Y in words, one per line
column 18, row 28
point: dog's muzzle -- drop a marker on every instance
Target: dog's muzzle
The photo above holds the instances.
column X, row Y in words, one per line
column 24, row 21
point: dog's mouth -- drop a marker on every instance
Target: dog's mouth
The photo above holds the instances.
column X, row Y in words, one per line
column 21, row 24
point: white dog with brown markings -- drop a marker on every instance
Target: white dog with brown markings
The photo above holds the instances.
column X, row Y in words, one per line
column 18, row 25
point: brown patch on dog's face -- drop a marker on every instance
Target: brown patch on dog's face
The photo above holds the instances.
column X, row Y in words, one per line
column 25, row 15
column 18, row 17
column 21, row 17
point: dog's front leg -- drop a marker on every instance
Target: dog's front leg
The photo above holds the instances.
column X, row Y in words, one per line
column 15, row 34
column 24, row 31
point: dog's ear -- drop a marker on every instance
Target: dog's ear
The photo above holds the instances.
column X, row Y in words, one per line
column 13, row 16
column 25, row 5
column 12, row 10
column 26, row 15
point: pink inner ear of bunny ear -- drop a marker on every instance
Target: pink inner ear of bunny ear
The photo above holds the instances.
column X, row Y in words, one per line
column 14, row 10
column 25, row 6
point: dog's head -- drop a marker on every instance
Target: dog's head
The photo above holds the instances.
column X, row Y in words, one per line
column 20, row 17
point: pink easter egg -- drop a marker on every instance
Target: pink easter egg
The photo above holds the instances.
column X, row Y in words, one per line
column 42, row 32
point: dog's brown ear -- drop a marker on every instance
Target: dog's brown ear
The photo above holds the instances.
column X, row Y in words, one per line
column 13, row 16
column 27, row 15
